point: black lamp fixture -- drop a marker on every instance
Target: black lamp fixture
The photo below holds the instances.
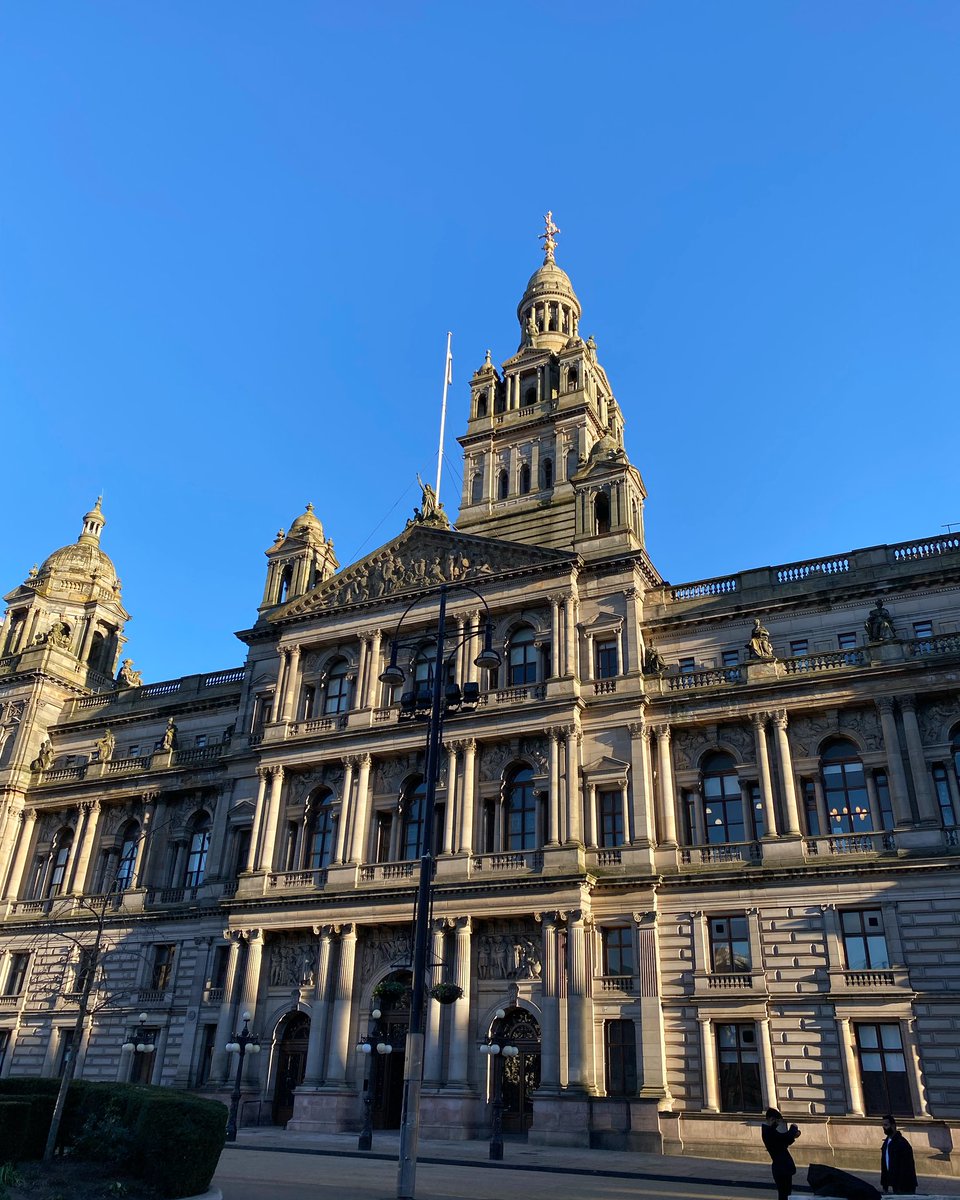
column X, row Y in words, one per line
column 140, row 1041
column 243, row 1043
column 498, row 1051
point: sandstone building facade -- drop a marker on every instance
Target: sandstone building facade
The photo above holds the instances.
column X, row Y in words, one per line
column 698, row 842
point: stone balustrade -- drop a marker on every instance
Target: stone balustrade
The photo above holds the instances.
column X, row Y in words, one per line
column 507, row 862
column 729, row 852
column 625, row 984
column 841, row 844
column 389, row 871
column 286, row 881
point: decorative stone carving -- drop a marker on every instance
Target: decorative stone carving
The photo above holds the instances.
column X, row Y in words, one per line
column 106, row 745
column 865, row 723
column 169, row 739
column 740, row 738
column 384, row 948
column 293, row 962
column 44, row 760
column 390, row 773
column 653, row 662
column 936, row 719
column 879, row 624
column 689, row 744
column 127, row 676
column 494, row 758
column 808, row 731
column 760, row 646
column 510, row 955
column 430, row 511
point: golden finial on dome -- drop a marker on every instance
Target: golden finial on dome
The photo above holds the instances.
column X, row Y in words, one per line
column 548, row 237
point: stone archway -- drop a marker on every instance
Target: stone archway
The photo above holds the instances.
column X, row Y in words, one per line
column 521, row 1075
column 291, row 1064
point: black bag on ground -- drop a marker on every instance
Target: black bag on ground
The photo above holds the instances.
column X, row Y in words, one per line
column 828, row 1181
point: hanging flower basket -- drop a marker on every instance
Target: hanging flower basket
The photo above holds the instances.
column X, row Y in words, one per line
column 446, row 993
column 390, row 991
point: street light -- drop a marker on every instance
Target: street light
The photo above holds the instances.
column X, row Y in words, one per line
column 141, row 1040
column 498, row 1052
column 243, row 1042
column 373, row 1041
column 413, row 705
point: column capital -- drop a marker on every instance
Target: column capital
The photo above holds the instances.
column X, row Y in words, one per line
column 884, row 704
column 907, row 703
column 351, row 760
column 149, row 797
column 252, row 935
column 759, row 721
column 346, row 929
column 640, row 729
column 364, row 758
column 661, row 732
column 90, row 806
column 264, row 772
column 27, row 814
column 469, row 745
column 779, row 716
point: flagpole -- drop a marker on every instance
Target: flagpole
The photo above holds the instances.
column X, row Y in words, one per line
column 447, row 379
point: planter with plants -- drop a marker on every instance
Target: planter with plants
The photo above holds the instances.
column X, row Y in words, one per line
column 446, row 993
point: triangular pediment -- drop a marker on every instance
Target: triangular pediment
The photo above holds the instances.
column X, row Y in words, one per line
column 421, row 558
column 606, row 767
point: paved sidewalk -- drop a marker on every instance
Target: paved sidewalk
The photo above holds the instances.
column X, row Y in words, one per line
column 298, row 1166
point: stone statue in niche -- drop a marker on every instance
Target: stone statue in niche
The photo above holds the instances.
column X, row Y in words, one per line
column 169, row 739
column 106, row 746
column 653, row 662
column 879, row 624
column 58, row 634
column 760, row 645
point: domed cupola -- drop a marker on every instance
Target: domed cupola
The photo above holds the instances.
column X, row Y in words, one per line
column 549, row 312
column 298, row 561
column 83, row 562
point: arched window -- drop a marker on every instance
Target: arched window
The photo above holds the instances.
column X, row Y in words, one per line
column 503, row 485
column 197, row 849
column 546, row 473
column 62, row 846
column 601, row 513
column 476, row 488
column 529, row 396
column 524, row 478
column 129, row 843
column 522, row 657
column 412, row 797
column 98, row 647
column 573, row 380
column 520, row 812
column 336, row 696
column 573, row 463
column 722, row 800
column 500, row 400
column 481, row 404
column 423, row 671
column 286, row 580
column 321, row 833
column 845, row 788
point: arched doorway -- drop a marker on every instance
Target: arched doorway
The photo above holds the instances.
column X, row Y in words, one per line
column 521, row 1075
column 291, row 1065
column 387, row 1069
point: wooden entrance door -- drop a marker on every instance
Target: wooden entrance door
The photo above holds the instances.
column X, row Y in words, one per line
column 291, row 1065
column 521, row 1075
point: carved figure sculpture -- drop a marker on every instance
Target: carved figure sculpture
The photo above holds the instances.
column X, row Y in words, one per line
column 59, row 634
column 530, row 330
column 760, row 645
column 879, row 624
column 127, row 676
column 653, row 662
column 44, row 760
column 169, row 741
column 106, row 746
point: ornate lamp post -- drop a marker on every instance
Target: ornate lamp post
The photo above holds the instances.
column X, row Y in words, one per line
column 243, row 1042
column 373, row 1041
column 498, row 1052
column 442, row 699
column 141, row 1041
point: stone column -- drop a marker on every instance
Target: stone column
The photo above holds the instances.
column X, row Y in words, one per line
column 460, row 666
column 790, row 809
column 472, row 672
column 342, row 1006
column 759, row 722
column 555, row 643
column 361, row 812
column 320, row 1011
column 457, row 1076
column 768, row 1076
column 271, row 820
column 911, row 1050
column 652, row 1043
column 291, row 684
column 574, row 801
column 708, row 1051
column 588, row 672
column 570, row 665
column 550, row 1006
column 640, row 827
column 27, row 819
column 469, row 791
column 371, row 700
column 927, row 807
column 896, row 777
column 578, row 1050
column 259, row 811
column 821, row 803
column 432, row 1054
column 851, row 1068
column 217, row 833
column 668, row 800
column 362, row 670
column 591, row 832
column 554, row 837
column 249, row 989
column 343, row 824
column 81, row 864
column 449, row 811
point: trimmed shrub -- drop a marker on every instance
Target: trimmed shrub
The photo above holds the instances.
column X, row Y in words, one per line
column 15, row 1117
column 177, row 1142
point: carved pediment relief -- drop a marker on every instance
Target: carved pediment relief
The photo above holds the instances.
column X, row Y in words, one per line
column 420, row 558
column 606, row 767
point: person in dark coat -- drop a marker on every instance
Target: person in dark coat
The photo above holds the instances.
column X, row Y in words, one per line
column 778, row 1139
column 897, row 1172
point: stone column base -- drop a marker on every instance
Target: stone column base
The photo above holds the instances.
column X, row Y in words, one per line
column 452, row 1117
column 326, row 1110
column 560, row 1121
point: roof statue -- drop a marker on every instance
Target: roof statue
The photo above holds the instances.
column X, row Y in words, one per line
column 430, row 511
column 548, row 237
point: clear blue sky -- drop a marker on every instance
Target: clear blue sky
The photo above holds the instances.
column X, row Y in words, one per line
column 233, row 236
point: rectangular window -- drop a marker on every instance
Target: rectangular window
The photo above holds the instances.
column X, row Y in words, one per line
column 218, row 970
column 382, row 837
column 799, row 648
column 17, row 973
column 617, row 950
column 134, row 751
column 208, row 1042
column 730, row 658
column 162, row 969
column 738, row 1059
column 756, row 805
column 606, row 660
column 4, row 1047
column 687, row 666
column 241, row 849
column 65, row 1048
column 83, row 970
column 944, row 799
column 810, row 809
column 729, row 944
column 864, row 943
column 262, row 712
column 200, row 740
column 883, row 1070
column 923, row 630
column 620, row 1053
column 887, row 820
column 846, row 641
column 610, row 813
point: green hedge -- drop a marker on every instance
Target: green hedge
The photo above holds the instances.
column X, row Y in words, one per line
column 173, row 1139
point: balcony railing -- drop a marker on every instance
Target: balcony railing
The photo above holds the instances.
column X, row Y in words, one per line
column 385, row 872
column 729, row 981
column 508, row 862
column 285, row 881
column 318, row 725
column 517, row 695
column 931, row 548
column 213, row 995
column 829, row 660
column 869, row 979
column 7, row 1002
column 604, row 687
column 951, row 837
column 172, row 895
column 947, row 643
column 152, row 996
column 729, row 852
column 795, row 572
column 850, row 843
column 615, row 983
column 705, row 587
column 608, row 858
column 704, row 679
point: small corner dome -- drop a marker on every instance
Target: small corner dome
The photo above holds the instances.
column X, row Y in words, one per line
column 307, row 523
column 83, row 559
column 549, row 282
